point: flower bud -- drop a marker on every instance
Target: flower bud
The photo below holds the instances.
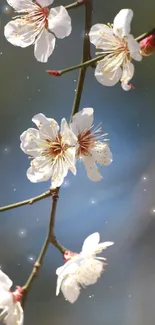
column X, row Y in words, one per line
column 147, row 45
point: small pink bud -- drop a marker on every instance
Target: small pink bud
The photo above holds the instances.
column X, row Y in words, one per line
column 54, row 73
column 18, row 294
column 68, row 255
column 147, row 45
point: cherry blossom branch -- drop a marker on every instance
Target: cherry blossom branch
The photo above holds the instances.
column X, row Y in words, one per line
column 74, row 5
column 25, row 202
column 86, row 64
column 143, row 36
column 50, row 238
column 58, row 73
column 85, row 57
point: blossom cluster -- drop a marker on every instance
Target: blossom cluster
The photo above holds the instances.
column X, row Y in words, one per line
column 54, row 151
column 80, row 270
column 37, row 24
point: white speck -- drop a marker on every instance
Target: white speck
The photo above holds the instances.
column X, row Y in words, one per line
column 129, row 296
column 38, row 89
column 1, row 53
column 144, row 178
column 91, row 296
column 92, row 201
column 14, row 189
column 6, row 8
column 18, row 264
column 153, row 210
column 28, row 77
column 31, row 258
column 144, row 189
column 22, row 233
column 6, row 149
column 66, row 183
column 75, row 90
column 74, row 80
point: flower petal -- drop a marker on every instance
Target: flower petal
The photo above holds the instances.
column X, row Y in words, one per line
column 36, row 173
column 102, row 154
column 59, row 171
column 108, row 78
column 89, row 245
column 102, row 246
column 134, row 48
column 70, row 289
column 128, row 72
column 45, row 3
column 59, row 22
column 99, row 35
column 5, row 281
column 67, row 135
column 44, row 46
column 48, row 126
column 18, row 34
column 69, row 156
column 89, row 271
column 122, row 23
column 20, row 4
column 68, row 268
column 82, row 120
column 92, row 170
column 29, row 143
column 16, row 316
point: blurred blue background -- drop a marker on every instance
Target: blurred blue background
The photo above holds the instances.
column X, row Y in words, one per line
column 121, row 207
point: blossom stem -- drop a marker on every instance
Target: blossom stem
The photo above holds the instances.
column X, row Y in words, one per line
column 74, row 5
column 81, row 65
column 143, row 36
column 49, row 238
column 85, row 57
column 25, row 202
column 86, row 64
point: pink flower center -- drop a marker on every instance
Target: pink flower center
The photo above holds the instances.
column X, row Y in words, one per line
column 55, row 148
column 86, row 142
column 17, row 294
column 37, row 16
column 68, row 255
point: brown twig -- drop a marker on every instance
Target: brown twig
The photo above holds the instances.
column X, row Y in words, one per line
column 51, row 238
column 74, row 5
column 25, row 202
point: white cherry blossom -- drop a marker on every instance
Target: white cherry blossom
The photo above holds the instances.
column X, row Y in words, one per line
column 119, row 47
column 52, row 151
column 37, row 24
column 12, row 312
column 90, row 146
column 81, row 269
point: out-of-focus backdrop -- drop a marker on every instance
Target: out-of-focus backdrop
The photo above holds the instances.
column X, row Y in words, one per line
column 121, row 207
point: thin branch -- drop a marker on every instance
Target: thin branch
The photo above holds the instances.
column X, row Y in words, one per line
column 43, row 251
column 58, row 73
column 25, row 202
column 143, row 36
column 85, row 57
column 51, row 238
column 87, row 63
column 74, row 5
